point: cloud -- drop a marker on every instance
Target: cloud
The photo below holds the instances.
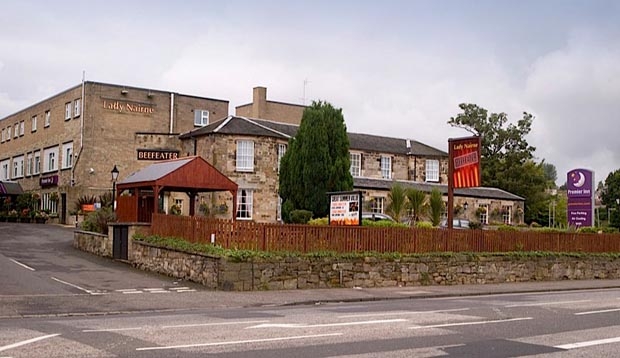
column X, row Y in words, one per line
column 574, row 92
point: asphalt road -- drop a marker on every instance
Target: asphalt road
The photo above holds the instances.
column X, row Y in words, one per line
column 56, row 301
column 567, row 324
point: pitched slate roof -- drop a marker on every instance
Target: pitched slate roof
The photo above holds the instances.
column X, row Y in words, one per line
column 477, row 192
column 365, row 142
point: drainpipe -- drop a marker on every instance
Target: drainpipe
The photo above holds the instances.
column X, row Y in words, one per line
column 171, row 112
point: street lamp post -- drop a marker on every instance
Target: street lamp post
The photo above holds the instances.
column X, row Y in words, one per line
column 465, row 206
column 114, row 173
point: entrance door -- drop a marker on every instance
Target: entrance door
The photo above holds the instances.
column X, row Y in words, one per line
column 63, row 213
column 146, row 206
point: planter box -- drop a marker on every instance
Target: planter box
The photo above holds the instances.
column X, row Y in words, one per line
column 12, row 219
column 40, row 220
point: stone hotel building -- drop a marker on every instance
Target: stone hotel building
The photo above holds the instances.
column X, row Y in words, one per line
column 65, row 146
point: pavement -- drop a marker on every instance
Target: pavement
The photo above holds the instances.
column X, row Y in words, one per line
column 316, row 296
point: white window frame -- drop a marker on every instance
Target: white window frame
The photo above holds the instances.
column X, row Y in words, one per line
column 8, row 133
column 281, row 151
column 386, row 167
column 48, row 204
column 245, row 156
column 48, row 116
column 507, row 214
column 5, row 169
column 36, row 168
column 432, row 170
column 484, row 215
column 22, row 127
column 201, row 117
column 246, row 213
column 67, row 155
column 356, row 164
column 378, row 205
column 29, row 163
column 3, row 134
column 50, row 156
column 33, row 124
column 16, row 134
column 67, row 111
column 18, row 167
column 77, row 107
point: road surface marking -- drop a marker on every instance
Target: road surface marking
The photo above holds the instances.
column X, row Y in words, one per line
column 178, row 288
column 112, row 329
column 297, row 325
column 601, row 311
column 28, row 341
column 588, row 343
column 213, row 324
column 471, row 323
column 72, row 285
column 181, row 291
column 545, row 303
column 225, row 343
column 402, row 313
column 153, row 289
column 23, row 265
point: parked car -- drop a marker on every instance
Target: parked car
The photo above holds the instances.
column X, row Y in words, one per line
column 376, row 216
column 456, row 224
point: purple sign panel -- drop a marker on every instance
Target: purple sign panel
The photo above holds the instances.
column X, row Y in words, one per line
column 580, row 192
column 48, row 181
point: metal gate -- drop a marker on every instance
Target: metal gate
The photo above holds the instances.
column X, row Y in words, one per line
column 120, row 242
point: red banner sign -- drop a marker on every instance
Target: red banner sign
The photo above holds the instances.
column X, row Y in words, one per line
column 465, row 159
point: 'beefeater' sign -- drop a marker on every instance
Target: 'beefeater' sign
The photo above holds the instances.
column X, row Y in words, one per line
column 465, row 160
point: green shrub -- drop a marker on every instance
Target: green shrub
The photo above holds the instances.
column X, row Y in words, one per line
column 551, row 230
column 507, row 228
column 382, row 223
column 424, row 225
column 300, row 216
column 475, row 225
column 97, row 221
column 319, row 221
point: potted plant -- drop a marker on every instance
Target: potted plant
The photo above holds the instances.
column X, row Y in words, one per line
column 12, row 216
column 41, row 217
column 24, row 215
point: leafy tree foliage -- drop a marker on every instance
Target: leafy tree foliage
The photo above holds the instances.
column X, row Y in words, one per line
column 507, row 158
column 609, row 194
column 416, row 200
column 436, row 206
column 397, row 202
column 551, row 173
column 316, row 162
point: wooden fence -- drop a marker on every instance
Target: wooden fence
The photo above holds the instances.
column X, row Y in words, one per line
column 307, row 238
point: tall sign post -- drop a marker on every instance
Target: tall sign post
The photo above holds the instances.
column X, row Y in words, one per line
column 463, row 167
column 580, row 194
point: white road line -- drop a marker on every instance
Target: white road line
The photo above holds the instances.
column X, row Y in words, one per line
column 213, row 324
column 153, row 289
column 72, row 285
column 588, row 343
column 545, row 303
column 159, row 292
column 179, row 291
column 594, row 312
column 22, row 265
column 112, row 329
column 297, row 325
column 402, row 313
column 28, row 341
column 178, row 288
column 471, row 323
column 224, row 343
column 126, row 290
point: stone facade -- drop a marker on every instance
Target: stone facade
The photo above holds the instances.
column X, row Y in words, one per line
column 106, row 116
column 275, row 111
column 305, row 273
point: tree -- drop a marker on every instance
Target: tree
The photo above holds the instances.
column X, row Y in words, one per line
column 397, row 202
column 316, row 162
column 436, row 206
column 551, row 173
column 609, row 196
column 416, row 199
column 507, row 159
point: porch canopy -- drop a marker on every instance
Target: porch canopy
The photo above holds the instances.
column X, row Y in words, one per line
column 190, row 175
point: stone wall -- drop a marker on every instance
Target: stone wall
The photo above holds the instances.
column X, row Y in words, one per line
column 301, row 273
column 202, row 269
column 98, row 244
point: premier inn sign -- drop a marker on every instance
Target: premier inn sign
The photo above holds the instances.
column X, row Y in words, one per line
column 157, row 154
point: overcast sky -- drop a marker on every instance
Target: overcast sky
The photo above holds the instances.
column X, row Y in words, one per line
column 396, row 68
